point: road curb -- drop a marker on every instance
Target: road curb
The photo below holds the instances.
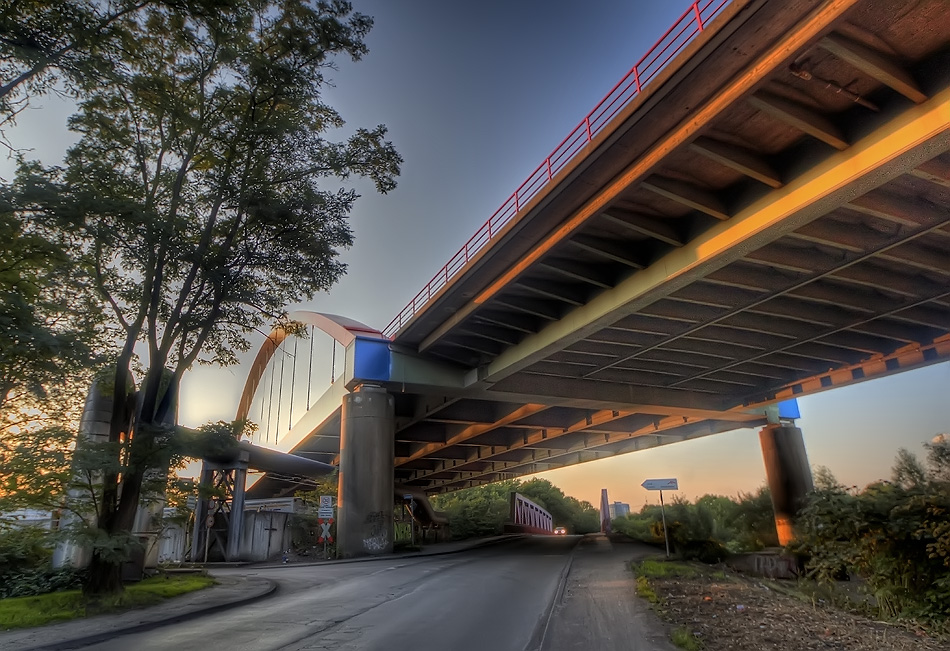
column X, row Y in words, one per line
column 79, row 642
column 544, row 623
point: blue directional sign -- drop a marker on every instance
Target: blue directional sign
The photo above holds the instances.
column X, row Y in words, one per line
column 660, row 485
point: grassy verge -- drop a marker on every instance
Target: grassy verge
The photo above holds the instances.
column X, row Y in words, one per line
column 653, row 569
column 24, row 612
column 685, row 640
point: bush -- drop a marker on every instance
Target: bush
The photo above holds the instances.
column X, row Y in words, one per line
column 896, row 536
column 33, row 582
column 25, row 570
column 23, row 548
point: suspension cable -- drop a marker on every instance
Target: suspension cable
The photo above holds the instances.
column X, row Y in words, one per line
column 293, row 382
column 310, row 369
column 270, row 400
column 333, row 363
column 280, row 395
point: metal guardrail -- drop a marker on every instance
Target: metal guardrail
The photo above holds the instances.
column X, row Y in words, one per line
column 676, row 38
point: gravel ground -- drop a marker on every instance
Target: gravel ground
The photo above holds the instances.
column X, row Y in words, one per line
column 728, row 612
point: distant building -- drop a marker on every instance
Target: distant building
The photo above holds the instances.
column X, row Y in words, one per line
column 618, row 510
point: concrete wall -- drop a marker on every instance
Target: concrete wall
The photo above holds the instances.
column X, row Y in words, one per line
column 171, row 544
column 266, row 535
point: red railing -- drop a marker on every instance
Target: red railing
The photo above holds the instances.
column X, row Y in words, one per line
column 670, row 44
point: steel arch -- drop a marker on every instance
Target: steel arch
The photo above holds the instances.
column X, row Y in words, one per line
column 342, row 329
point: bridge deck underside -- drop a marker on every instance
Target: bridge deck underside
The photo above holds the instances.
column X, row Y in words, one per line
column 857, row 288
column 772, row 99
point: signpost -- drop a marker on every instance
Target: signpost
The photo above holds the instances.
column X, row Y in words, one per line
column 412, row 518
column 325, row 520
column 662, row 485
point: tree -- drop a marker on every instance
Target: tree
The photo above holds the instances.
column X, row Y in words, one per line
column 908, row 472
column 66, row 44
column 195, row 199
column 51, row 344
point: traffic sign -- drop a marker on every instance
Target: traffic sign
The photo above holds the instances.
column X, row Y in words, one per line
column 326, row 501
column 325, row 530
column 660, row 485
column 325, row 512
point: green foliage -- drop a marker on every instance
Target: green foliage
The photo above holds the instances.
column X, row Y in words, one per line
column 25, row 553
column 483, row 510
column 478, row 511
column 753, row 523
column 652, row 568
column 896, row 536
column 24, row 612
column 202, row 198
column 646, row 591
column 684, row 639
column 28, row 583
column 305, row 526
column 23, row 548
column 709, row 529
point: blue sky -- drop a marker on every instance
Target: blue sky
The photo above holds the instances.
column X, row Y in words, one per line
column 475, row 96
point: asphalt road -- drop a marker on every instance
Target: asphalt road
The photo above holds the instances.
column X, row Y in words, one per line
column 492, row 598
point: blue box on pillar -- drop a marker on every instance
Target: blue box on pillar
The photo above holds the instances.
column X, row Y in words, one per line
column 372, row 360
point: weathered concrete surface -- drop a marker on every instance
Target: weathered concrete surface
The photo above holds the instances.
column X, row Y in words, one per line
column 600, row 608
column 365, row 499
column 788, row 474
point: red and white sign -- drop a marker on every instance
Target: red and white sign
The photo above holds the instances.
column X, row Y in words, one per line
column 325, row 530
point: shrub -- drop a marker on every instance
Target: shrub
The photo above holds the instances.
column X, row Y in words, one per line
column 894, row 535
column 25, row 570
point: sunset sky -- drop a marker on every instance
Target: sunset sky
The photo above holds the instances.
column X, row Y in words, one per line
column 475, row 95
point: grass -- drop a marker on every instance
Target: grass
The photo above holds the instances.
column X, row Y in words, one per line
column 645, row 590
column 655, row 569
column 24, row 612
column 663, row 569
column 685, row 640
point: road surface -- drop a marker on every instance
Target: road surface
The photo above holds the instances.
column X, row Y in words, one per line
column 492, row 598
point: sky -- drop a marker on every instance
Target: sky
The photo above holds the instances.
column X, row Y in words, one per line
column 475, row 96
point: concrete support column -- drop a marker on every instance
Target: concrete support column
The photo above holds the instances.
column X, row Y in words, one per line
column 365, row 498
column 788, row 474
column 94, row 428
column 236, row 521
column 202, row 510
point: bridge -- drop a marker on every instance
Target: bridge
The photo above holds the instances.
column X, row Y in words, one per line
column 759, row 210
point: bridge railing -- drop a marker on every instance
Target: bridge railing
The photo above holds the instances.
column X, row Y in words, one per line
column 527, row 517
column 676, row 38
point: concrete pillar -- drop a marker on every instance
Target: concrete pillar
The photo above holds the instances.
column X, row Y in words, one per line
column 94, row 428
column 788, row 474
column 202, row 509
column 236, row 521
column 365, row 497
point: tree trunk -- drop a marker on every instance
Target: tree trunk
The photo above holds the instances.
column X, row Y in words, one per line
column 105, row 577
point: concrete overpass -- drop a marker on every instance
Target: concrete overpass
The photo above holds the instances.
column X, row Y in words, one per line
column 760, row 210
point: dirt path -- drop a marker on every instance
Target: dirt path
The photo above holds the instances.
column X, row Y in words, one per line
column 599, row 610
column 728, row 612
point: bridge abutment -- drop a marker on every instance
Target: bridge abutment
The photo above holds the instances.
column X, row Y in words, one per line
column 788, row 474
column 365, row 499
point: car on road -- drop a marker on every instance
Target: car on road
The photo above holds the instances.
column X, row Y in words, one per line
column 560, row 531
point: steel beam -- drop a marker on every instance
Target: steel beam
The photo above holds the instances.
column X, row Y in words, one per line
column 903, row 143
